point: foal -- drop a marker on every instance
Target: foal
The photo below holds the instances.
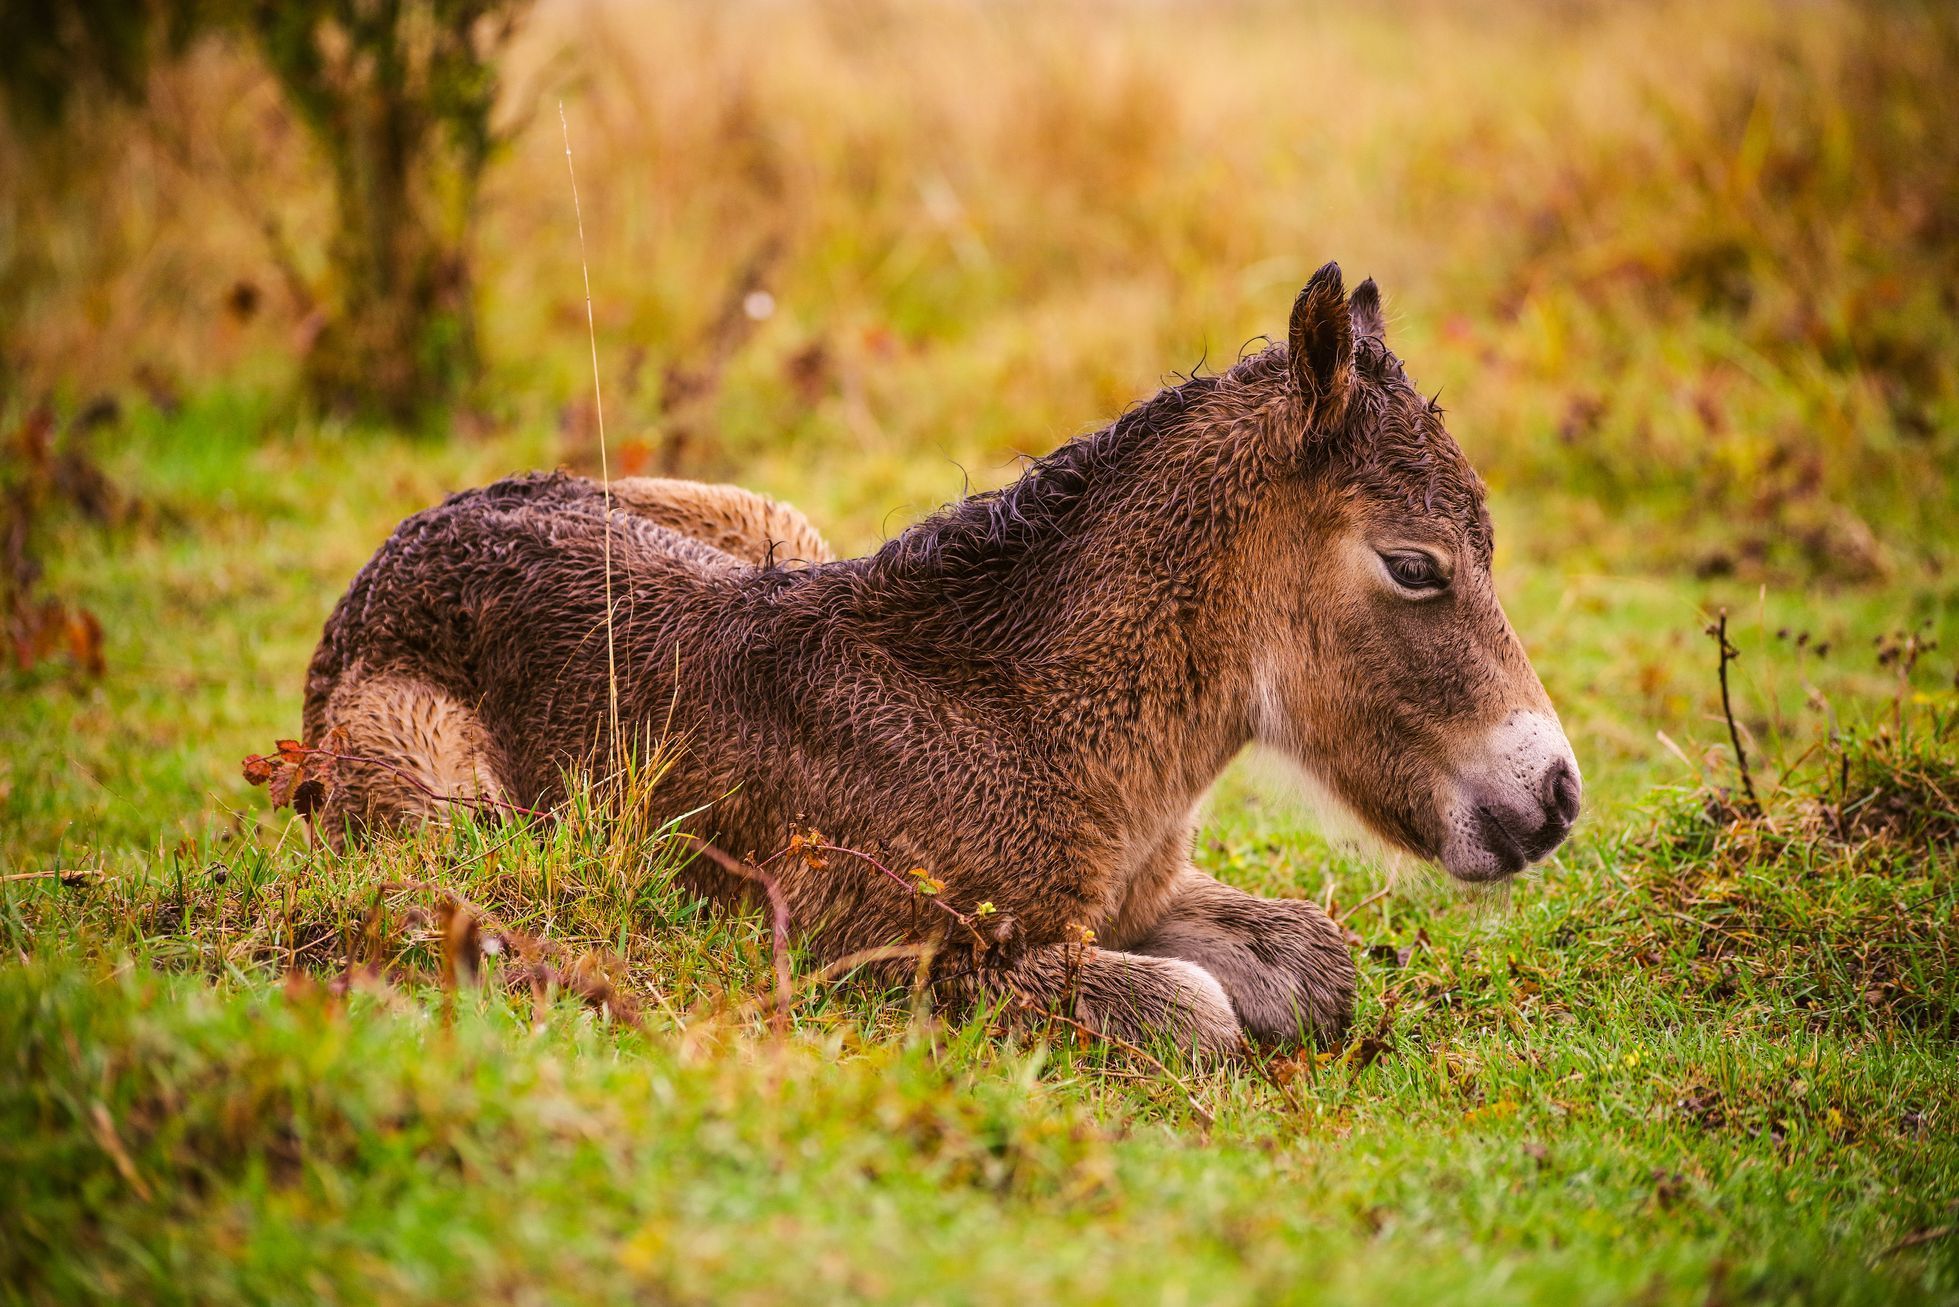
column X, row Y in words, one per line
column 1026, row 694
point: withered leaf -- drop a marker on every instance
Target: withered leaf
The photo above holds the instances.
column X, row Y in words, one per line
column 286, row 778
column 85, row 641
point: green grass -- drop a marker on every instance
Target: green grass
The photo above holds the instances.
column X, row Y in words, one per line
column 1685, row 1061
column 294, row 1149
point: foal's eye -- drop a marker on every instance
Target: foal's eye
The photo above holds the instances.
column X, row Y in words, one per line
column 1415, row 571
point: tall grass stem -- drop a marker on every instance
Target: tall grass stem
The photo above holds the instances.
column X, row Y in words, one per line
column 598, row 406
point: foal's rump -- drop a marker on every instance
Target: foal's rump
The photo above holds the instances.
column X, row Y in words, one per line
column 739, row 522
column 471, row 658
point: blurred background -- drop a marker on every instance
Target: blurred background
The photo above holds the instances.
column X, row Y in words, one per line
column 272, row 276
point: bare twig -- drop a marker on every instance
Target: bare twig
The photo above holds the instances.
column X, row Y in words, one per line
column 477, row 801
column 966, row 920
column 288, row 749
column 105, row 1135
column 1677, row 751
column 1358, row 908
column 779, row 910
column 1729, row 654
column 464, row 800
column 1918, row 1237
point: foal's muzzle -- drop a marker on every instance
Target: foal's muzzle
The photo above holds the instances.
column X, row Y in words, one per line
column 1516, row 803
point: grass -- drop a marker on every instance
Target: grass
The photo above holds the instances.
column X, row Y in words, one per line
column 1691, row 312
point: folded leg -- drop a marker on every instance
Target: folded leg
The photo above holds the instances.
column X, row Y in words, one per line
column 413, row 753
column 1148, row 1001
column 1282, row 961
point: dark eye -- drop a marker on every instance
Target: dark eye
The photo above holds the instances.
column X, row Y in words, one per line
column 1415, row 571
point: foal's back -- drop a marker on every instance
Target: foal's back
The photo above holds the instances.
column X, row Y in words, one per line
column 479, row 630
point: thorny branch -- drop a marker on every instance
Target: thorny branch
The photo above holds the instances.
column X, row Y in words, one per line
column 815, row 842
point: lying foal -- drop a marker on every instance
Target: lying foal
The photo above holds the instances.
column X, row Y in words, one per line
column 1026, row 694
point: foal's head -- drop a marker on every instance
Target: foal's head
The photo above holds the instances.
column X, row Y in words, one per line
column 1385, row 665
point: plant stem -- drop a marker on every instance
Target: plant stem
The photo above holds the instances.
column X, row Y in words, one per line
column 1729, row 654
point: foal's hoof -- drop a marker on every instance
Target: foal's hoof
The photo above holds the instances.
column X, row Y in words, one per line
column 1307, row 994
column 1202, row 1020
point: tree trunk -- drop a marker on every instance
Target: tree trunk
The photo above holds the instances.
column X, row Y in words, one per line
column 403, row 125
column 399, row 338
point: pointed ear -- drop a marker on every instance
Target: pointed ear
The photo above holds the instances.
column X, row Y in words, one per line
column 1365, row 309
column 1320, row 346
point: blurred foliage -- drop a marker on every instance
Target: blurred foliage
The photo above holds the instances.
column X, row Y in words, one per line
column 1684, row 273
column 51, row 54
column 395, row 97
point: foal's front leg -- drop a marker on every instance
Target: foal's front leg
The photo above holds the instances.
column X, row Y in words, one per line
column 1282, row 961
column 1143, row 1000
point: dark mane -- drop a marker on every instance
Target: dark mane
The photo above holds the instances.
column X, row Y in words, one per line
column 986, row 531
column 1394, row 445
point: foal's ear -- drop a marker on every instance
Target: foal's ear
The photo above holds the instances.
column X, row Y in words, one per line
column 1320, row 346
column 1365, row 308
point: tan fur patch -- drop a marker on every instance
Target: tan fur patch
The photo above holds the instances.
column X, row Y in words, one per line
column 419, row 730
column 740, row 522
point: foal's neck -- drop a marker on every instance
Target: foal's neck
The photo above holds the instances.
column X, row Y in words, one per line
column 1086, row 596
column 1113, row 648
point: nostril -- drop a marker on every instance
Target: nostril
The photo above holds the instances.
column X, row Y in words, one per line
column 1510, row 852
column 1561, row 792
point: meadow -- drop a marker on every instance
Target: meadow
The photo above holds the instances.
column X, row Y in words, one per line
column 1687, row 279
